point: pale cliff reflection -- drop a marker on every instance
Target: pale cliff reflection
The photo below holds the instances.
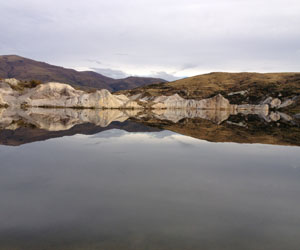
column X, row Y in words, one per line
column 244, row 126
column 63, row 119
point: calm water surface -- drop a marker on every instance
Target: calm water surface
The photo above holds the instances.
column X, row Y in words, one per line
column 154, row 190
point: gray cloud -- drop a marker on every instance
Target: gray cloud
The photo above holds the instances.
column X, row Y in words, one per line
column 140, row 37
column 164, row 75
column 94, row 61
column 116, row 74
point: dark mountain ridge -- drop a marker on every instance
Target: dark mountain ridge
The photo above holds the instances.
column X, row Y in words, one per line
column 13, row 66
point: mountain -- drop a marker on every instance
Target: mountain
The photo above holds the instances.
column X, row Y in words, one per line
column 13, row 66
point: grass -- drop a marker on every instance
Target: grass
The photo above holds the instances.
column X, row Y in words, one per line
column 207, row 85
column 25, row 84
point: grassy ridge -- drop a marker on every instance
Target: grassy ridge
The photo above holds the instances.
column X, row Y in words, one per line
column 202, row 86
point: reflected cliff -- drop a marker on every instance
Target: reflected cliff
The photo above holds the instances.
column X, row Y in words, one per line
column 18, row 126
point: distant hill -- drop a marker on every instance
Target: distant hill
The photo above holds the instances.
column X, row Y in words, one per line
column 13, row 66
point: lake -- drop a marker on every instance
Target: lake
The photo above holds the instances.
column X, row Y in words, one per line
column 90, row 180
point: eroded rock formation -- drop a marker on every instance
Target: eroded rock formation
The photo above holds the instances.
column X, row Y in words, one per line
column 60, row 95
column 14, row 94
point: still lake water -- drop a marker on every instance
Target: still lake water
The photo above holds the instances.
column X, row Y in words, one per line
column 148, row 190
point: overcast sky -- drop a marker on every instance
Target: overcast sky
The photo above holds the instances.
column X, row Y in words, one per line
column 164, row 38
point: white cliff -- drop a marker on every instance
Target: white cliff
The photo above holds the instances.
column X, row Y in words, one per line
column 175, row 101
column 7, row 95
column 55, row 94
column 63, row 95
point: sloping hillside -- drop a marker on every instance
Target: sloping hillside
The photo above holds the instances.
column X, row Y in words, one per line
column 238, row 88
column 254, row 86
column 12, row 66
column 132, row 82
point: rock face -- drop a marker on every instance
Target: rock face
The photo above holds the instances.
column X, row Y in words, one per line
column 7, row 95
column 277, row 103
column 53, row 94
column 286, row 103
column 175, row 101
column 61, row 95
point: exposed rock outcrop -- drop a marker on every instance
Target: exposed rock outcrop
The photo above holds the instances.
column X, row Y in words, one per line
column 63, row 95
column 53, row 94
column 276, row 103
column 286, row 103
column 175, row 101
column 60, row 95
column 7, row 95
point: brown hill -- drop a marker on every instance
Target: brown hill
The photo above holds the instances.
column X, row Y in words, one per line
column 256, row 85
column 131, row 82
column 12, row 66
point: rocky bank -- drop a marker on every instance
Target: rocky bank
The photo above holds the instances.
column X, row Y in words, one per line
column 13, row 94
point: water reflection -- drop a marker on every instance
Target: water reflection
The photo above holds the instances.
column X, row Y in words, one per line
column 154, row 190
column 133, row 180
column 257, row 126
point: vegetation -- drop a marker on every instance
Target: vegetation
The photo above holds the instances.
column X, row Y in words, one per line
column 25, row 84
column 256, row 85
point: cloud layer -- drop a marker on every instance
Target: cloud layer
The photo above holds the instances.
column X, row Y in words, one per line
column 171, row 38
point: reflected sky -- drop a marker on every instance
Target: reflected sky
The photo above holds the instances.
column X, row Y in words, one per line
column 159, row 190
